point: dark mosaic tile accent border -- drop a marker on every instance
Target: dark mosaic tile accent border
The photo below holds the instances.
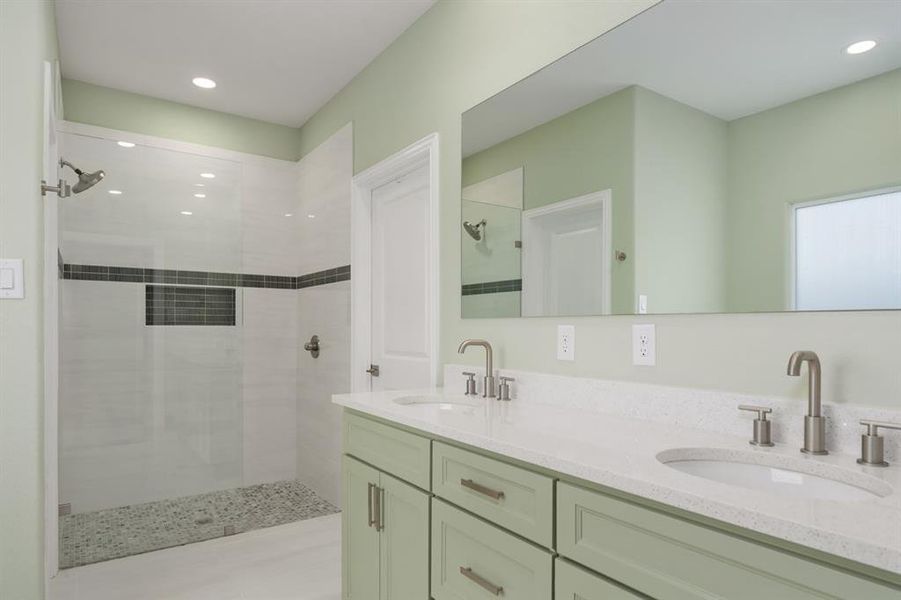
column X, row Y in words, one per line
column 492, row 287
column 177, row 305
column 323, row 277
column 203, row 278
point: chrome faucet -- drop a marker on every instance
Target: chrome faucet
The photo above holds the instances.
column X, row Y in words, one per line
column 814, row 421
column 488, row 390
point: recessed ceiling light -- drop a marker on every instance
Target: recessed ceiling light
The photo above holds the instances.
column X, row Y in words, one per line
column 115, row 192
column 200, row 195
column 126, row 144
column 204, row 82
column 199, row 185
column 860, row 47
column 289, row 214
column 187, row 213
column 311, row 216
column 208, row 175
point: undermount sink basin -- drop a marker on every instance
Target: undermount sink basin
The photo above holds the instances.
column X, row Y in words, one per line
column 442, row 402
column 776, row 474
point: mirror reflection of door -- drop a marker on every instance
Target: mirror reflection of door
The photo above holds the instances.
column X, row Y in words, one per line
column 566, row 257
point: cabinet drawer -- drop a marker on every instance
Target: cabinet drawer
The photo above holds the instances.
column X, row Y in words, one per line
column 520, row 500
column 472, row 560
column 400, row 453
column 575, row 583
column 665, row 556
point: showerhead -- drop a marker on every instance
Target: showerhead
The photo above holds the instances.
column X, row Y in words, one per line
column 475, row 231
column 85, row 180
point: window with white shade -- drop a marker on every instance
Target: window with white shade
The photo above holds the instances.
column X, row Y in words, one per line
column 848, row 253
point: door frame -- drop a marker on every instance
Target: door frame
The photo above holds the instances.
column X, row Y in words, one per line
column 533, row 257
column 421, row 153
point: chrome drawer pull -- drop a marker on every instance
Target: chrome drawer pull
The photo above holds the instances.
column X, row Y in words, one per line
column 469, row 483
column 481, row 581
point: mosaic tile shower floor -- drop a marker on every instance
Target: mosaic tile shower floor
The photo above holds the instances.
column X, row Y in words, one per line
column 96, row 536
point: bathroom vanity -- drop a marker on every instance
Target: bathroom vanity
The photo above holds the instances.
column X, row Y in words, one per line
column 597, row 496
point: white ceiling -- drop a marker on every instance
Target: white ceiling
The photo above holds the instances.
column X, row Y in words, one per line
column 729, row 58
column 274, row 60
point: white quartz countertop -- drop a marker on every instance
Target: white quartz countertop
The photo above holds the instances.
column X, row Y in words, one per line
column 621, row 452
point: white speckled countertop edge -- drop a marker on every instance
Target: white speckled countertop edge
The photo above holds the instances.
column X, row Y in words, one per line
column 620, row 452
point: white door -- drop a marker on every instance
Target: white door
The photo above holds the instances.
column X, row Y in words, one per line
column 566, row 257
column 401, row 332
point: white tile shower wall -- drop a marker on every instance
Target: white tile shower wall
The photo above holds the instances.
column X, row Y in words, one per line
column 323, row 310
column 687, row 407
column 239, row 225
column 146, row 413
column 324, row 179
column 270, row 385
column 323, row 184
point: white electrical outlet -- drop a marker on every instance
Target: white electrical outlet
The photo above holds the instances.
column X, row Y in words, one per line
column 644, row 345
column 566, row 342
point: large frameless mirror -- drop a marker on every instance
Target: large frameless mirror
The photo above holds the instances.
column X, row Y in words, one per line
column 703, row 157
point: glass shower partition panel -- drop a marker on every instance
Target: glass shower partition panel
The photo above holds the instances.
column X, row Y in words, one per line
column 151, row 422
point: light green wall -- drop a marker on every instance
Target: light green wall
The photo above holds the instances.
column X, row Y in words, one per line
column 460, row 53
column 680, row 206
column 839, row 142
column 27, row 38
column 586, row 150
column 106, row 107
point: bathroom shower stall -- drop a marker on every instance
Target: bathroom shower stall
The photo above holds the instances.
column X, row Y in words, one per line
column 192, row 279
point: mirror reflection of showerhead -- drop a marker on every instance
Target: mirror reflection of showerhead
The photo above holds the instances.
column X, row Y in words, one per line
column 475, row 231
column 85, row 180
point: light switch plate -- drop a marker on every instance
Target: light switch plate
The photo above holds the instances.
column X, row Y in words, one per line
column 12, row 281
column 642, row 304
column 566, row 342
column 644, row 345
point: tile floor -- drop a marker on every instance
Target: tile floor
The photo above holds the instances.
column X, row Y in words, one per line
column 96, row 536
column 298, row 561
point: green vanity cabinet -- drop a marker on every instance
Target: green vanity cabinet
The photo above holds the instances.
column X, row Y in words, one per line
column 515, row 498
column 572, row 582
column 472, row 560
column 385, row 536
column 665, row 556
column 428, row 518
column 401, row 453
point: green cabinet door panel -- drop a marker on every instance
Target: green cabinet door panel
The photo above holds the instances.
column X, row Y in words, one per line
column 473, row 560
column 572, row 582
column 512, row 497
column 404, row 541
column 405, row 455
column 669, row 558
column 359, row 539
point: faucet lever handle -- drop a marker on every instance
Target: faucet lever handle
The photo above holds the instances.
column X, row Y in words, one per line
column 872, row 445
column 504, row 388
column 763, row 429
column 470, row 383
column 762, row 411
column 874, row 426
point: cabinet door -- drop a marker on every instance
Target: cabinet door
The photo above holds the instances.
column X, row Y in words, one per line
column 575, row 583
column 404, row 541
column 474, row 560
column 359, row 539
